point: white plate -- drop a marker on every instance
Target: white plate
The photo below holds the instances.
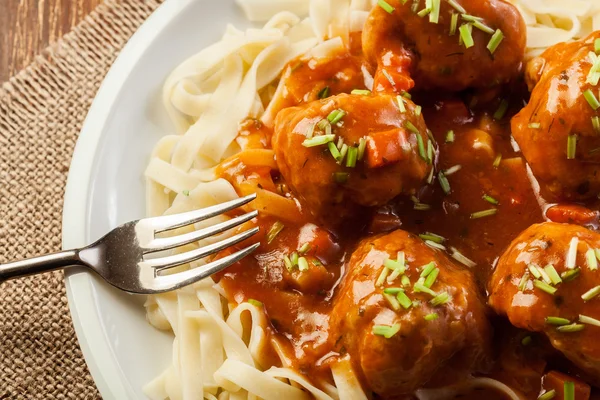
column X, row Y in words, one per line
column 105, row 188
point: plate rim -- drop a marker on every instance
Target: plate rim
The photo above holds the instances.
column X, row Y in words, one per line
column 99, row 357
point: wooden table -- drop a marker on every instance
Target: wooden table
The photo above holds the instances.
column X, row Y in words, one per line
column 28, row 26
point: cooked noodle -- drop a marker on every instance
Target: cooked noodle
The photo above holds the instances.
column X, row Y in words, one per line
column 218, row 352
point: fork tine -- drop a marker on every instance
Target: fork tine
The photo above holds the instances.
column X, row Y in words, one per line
column 171, row 282
column 169, row 222
column 181, row 240
column 184, row 258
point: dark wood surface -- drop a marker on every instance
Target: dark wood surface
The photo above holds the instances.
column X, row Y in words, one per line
column 28, row 26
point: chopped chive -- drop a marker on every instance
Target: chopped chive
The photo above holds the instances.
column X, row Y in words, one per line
column 392, row 302
column 430, row 176
column 424, row 12
column 343, row 152
column 275, row 229
column 452, row 170
column 305, row 248
column 421, row 288
column 434, row 17
column 550, row 394
column 422, row 207
column 352, row 156
column 571, row 146
column 418, row 110
column 431, row 317
column 569, row 275
column 392, row 290
column 591, row 259
column 427, row 269
column 495, row 41
column 557, row 321
column 186, row 192
column 591, row 99
column 431, row 278
column 450, row 136
column 501, row 111
column 288, row 263
column 435, row 245
column 406, row 95
column 404, row 300
column 461, row 258
column 596, row 124
column 294, row 258
column 457, row 6
column 421, row 147
column 523, row 281
column 440, row 299
column 318, row 140
column 405, row 281
column 484, row 28
column 310, row 132
column 597, row 46
column 471, row 18
column 386, row 6
column 336, row 116
column 484, row 213
column 401, row 105
column 382, row 276
column 526, row 341
column 255, row 302
column 497, row 161
column 386, row 331
column 597, row 251
column 316, row 263
column 341, row 177
column 590, row 294
column 302, row 264
column 334, row 151
column 584, row 319
column 361, row 92
column 433, row 237
column 430, row 151
column 466, row 35
column 572, row 253
column 324, row 93
column 444, row 183
column 569, row 391
column 322, row 124
column 453, row 23
column 410, row 126
column 544, row 287
column 490, row 199
column 362, row 145
column 569, row 329
column 535, row 125
column 535, row 271
column 388, row 77
column 551, row 271
column 340, row 143
column 415, row 6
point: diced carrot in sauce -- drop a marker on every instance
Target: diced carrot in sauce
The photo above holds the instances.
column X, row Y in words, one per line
column 555, row 380
column 386, row 148
column 394, row 75
column 571, row 214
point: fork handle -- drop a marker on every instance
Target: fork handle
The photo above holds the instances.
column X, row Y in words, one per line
column 38, row 265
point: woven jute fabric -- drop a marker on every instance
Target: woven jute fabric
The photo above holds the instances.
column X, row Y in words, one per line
column 41, row 112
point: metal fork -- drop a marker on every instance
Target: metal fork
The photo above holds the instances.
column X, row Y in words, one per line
column 121, row 257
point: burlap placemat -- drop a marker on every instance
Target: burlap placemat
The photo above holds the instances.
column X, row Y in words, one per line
column 41, row 112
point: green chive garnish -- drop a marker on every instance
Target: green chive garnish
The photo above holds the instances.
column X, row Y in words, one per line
column 550, row 394
column 497, row 161
column 385, row 330
column 382, row 276
column 430, row 280
column 434, row 17
column 336, row 116
column 495, row 41
column 255, row 302
column 424, row 12
column 386, row 6
column 430, row 151
column 596, row 124
column 535, row 271
column 421, row 147
column 584, row 319
column 466, row 35
column 318, row 140
column 288, row 263
column 410, row 126
column 501, row 111
column 590, row 294
column 388, row 77
column 484, row 213
column 403, row 299
column 275, row 229
column 186, row 192
column 418, row 110
column 440, row 299
column 526, row 341
column 334, row 151
column 401, row 105
column 457, row 6
column 450, row 137
column 362, row 145
column 302, row 264
column 422, row 207
column 444, row 183
column 591, row 99
column 571, row 328
column 405, row 281
column 324, row 93
column 433, row 237
column 552, row 274
column 557, row 321
column 392, row 302
column 523, row 281
column 569, row 389
column 427, row 269
column 571, row 147
column 591, row 259
column 294, row 258
column 341, row 177
column 431, row 317
column 361, row 92
column 392, row 290
column 352, row 156
column 597, row 46
column 304, row 248
column 421, row 288
column 571, row 274
column 544, row 287
column 453, row 23
column 490, row 199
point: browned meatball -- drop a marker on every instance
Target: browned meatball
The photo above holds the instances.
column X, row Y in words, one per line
column 392, row 163
column 529, row 305
column 407, row 46
column 557, row 112
column 452, row 336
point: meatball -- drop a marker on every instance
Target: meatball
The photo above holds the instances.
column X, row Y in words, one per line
column 406, row 46
column 540, row 287
column 310, row 142
column 559, row 131
column 399, row 334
